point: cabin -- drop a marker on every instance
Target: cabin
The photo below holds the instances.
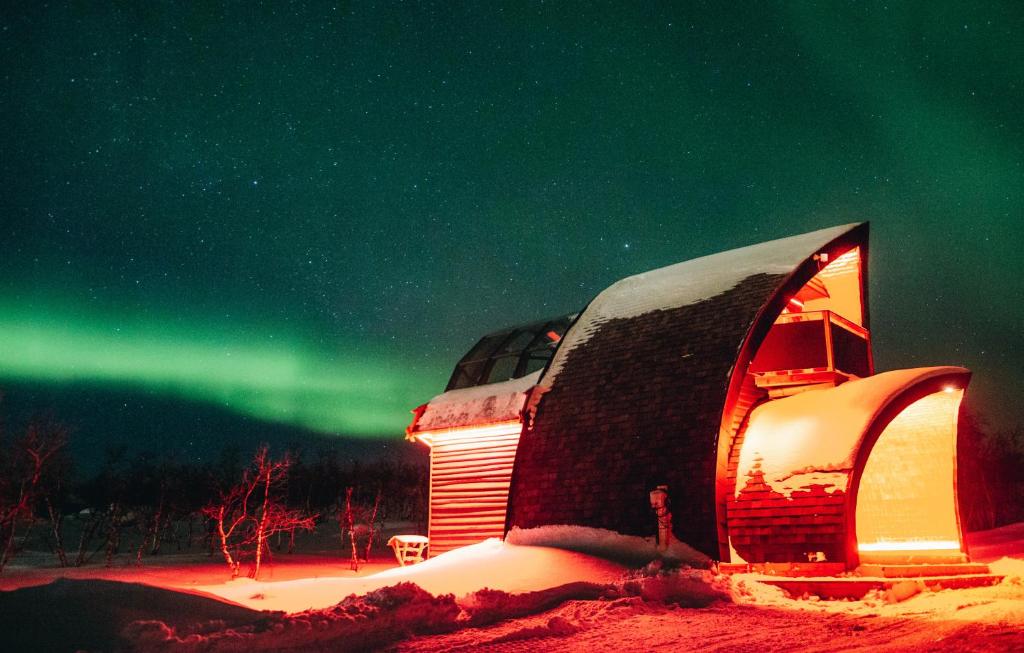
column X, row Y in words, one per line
column 743, row 382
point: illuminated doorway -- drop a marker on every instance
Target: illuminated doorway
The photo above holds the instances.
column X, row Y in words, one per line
column 906, row 500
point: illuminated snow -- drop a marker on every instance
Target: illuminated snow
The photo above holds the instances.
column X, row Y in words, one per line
column 489, row 564
column 607, row 544
column 493, row 402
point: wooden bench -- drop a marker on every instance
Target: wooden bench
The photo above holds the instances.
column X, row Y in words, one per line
column 409, row 549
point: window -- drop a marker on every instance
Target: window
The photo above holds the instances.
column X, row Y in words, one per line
column 509, row 353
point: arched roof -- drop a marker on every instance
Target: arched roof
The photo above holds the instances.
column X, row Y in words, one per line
column 635, row 393
column 816, row 437
column 688, row 283
column 803, row 457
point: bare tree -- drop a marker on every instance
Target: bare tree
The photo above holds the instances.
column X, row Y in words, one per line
column 356, row 522
column 372, row 524
column 348, row 527
column 250, row 511
column 23, row 466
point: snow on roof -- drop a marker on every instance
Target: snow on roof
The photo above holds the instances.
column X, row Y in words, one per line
column 482, row 404
column 689, row 282
column 813, row 437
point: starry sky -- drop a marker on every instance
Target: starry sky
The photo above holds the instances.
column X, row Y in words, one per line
column 218, row 219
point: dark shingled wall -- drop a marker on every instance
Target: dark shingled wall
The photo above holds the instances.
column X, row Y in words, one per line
column 638, row 404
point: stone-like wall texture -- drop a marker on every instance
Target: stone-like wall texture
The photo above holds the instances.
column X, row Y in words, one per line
column 637, row 405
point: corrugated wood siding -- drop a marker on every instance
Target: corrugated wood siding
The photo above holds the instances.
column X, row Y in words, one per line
column 469, row 479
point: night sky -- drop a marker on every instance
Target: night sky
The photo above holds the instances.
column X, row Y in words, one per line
column 218, row 221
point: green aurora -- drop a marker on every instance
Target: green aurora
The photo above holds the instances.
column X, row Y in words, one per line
column 289, row 382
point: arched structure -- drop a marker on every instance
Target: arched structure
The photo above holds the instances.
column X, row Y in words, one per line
column 652, row 381
column 865, row 469
column 720, row 378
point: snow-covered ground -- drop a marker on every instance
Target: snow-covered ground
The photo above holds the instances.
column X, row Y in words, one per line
column 489, row 564
column 539, row 598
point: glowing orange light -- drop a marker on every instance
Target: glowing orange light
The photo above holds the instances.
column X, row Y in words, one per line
column 911, row 545
column 470, row 472
column 470, row 432
column 906, row 503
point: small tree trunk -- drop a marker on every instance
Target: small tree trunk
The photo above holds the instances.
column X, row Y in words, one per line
column 351, row 527
column 261, row 526
column 7, row 532
column 57, row 527
column 142, row 547
column 232, row 564
column 373, row 521
column 157, row 527
column 85, row 538
column 113, row 537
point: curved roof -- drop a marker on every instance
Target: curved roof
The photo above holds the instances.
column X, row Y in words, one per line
column 688, row 283
column 813, row 438
column 635, row 393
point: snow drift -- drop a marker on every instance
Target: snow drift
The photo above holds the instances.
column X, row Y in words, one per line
column 629, row 550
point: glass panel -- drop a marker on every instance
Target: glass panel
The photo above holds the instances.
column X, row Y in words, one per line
column 518, row 342
column 534, row 363
column 850, row 352
column 792, row 346
column 485, row 347
column 467, row 375
column 503, row 369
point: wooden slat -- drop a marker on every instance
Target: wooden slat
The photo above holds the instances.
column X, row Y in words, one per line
column 469, row 481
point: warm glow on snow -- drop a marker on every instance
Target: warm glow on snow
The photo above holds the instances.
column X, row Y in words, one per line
column 491, row 563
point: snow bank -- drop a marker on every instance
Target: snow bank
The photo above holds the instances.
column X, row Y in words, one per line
column 1003, row 542
column 628, row 549
column 1011, row 568
column 390, row 614
column 358, row 623
column 69, row 615
column 528, row 561
column 689, row 282
column 488, row 564
column 687, row 588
